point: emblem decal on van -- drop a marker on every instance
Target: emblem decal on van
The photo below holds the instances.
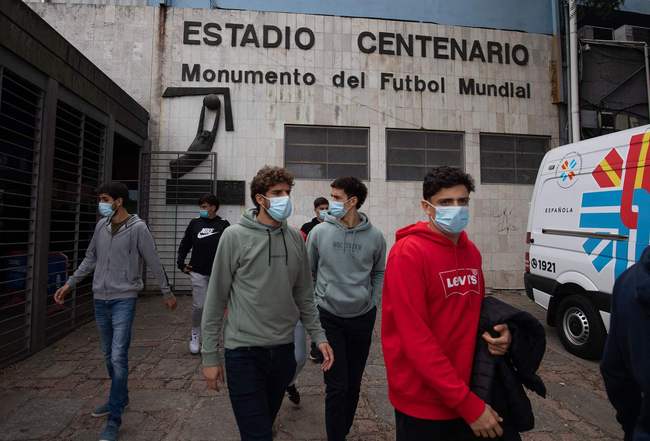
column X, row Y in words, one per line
column 568, row 170
column 623, row 206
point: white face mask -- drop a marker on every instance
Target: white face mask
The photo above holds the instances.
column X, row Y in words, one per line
column 452, row 219
column 279, row 208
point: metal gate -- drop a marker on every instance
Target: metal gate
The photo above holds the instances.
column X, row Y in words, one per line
column 78, row 165
column 21, row 104
column 169, row 203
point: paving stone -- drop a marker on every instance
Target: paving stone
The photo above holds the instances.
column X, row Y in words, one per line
column 210, row 419
column 49, row 396
column 39, row 418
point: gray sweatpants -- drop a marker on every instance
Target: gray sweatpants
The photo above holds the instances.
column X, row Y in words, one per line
column 300, row 351
column 199, row 289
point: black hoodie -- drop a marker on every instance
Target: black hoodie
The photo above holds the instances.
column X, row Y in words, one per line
column 626, row 361
column 202, row 237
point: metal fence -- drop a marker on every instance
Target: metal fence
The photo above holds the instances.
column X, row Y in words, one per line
column 20, row 115
column 169, row 203
column 77, row 172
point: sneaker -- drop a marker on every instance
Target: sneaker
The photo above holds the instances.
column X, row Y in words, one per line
column 102, row 410
column 294, row 395
column 315, row 355
column 110, row 431
column 195, row 346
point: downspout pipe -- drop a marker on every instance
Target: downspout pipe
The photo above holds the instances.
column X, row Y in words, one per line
column 573, row 68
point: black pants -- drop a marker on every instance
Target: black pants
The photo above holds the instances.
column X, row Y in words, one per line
column 408, row 428
column 350, row 339
column 257, row 381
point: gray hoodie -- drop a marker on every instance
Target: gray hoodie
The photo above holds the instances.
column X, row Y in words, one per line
column 347, row 265
column 117, row 261
column 261, row 274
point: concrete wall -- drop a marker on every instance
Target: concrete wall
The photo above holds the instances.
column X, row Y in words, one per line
column 143, row 50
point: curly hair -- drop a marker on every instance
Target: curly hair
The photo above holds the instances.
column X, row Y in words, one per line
column 266, row 178
column 352, row 186
column 445, row 177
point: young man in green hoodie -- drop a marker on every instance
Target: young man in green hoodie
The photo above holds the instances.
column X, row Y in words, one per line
column 261, row 275
column 347, row 256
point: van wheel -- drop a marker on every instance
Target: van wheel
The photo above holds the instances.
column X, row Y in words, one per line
column 580, row 327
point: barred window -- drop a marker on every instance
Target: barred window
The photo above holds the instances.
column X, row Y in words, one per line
column 411, row 153
column 511, row 159
column 321, row 152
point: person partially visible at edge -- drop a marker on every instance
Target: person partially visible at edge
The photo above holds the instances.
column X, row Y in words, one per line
column 115, row 253
column 347, row 255
column 321, row 206
column 202, row 237
column 261, row 275
column 433, row 290
column 626, row 360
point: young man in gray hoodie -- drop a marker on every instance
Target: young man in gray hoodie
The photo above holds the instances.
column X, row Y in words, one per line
column 347, row 256
column 261, row 275
column 115, row 253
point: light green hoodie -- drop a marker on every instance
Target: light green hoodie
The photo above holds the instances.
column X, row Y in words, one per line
column 347, row 265
column 261, row 274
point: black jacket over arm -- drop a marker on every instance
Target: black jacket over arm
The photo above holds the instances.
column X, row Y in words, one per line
column 626, row 360
column 500, row 380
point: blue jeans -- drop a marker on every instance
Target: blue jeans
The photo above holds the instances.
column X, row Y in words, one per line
column 114, row 320
column 257, row 380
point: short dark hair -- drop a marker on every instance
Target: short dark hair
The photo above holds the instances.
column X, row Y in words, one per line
column 352, row 187
column 445, row 177
column 266, row 178
column 210, row 199
column 115, row 190
column 320, row 201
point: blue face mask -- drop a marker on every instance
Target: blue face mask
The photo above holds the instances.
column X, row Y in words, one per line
column 321, row 214
column 105, row 209
column 280, row 207
column 203, row 213
column 337, row 209
column 452, row 219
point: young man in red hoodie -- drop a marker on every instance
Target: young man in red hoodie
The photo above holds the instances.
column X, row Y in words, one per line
column 433, row 290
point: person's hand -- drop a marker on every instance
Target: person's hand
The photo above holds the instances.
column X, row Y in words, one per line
column 500, row 344
column 187, row 269
column 170, row 303
column 61, row 293
column 487, row 425
column 328, row 356
column 213, row 376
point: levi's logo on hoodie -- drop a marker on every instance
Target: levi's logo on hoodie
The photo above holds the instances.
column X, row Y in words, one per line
column 460, row 281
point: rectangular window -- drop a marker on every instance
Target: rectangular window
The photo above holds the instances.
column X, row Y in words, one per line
column 411, row 153
column 321, row 152
column 511, row 159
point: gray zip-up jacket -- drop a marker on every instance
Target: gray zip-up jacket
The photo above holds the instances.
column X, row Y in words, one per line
column 117, row 261
column 347, row 265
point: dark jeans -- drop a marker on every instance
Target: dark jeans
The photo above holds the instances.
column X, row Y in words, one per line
column 350, row 339
column 257, row 381
column 114, row 320
column 408, row 428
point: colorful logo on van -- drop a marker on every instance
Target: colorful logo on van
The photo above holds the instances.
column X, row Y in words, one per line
column 623, row 206
column 569, row 169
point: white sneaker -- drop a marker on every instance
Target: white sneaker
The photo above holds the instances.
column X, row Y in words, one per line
column 195, row 346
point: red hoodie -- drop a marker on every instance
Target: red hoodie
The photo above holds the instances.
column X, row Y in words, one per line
column 431, row 304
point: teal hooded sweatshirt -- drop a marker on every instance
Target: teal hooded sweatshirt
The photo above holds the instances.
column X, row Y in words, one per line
column 347, row 265
column 261, row 274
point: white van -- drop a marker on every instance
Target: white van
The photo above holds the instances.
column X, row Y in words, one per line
column 589, row 220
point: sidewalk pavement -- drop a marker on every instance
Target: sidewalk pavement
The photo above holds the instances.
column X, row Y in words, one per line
column 50, row 395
